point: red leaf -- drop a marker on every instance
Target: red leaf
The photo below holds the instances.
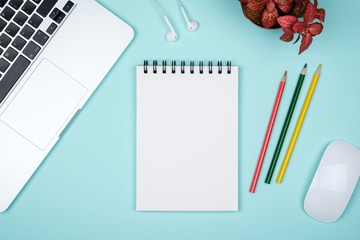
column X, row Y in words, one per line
column 288, row 30
column 320, row 14
column 269, row 15
column 298, row 38
column 287, row 37
column 284, row 2
column 287, row 21
column 254, row 16
column 270, row 6
column 306, row 2
column 316, row 28
column 315, row 3
column 310, row 13
column 305, row 42
column 286, row 7
column 299, row 27
column 298, row 10
column 257, row 5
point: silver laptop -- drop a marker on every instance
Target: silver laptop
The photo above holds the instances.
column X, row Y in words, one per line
column 54, row 53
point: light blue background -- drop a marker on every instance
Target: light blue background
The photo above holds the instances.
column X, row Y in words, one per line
column 86, row 187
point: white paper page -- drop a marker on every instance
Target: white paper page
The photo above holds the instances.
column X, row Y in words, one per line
column 187, row 140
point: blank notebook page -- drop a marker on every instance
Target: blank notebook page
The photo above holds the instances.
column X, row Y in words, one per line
column 187, row 140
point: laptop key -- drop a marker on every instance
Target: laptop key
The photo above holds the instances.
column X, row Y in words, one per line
column 68, row 6
column 40, row 37
column 45, row 7
column 12, row 76
column 7, row 13
column 2, row 24
column 20, row 18
column 35, row 21
column 16, row 3
column 54, row 13
column 37, row 1
column 12, row 29
column 27, row 32
column 57, row 15
column 2, row 3
column 1, row 51
column 18, row 43
column 51, row 29
column 28, row 7
column 31, row 50
column 10, row 54
column 4, row 40
column 60, row 17
column 3, row 65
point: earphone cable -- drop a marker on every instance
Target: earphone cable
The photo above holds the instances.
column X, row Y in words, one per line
column 179, row 3
column 157, row 5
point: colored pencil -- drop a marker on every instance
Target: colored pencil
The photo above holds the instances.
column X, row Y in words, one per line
column 298, row 125
column 268, row 133
column 286, row 125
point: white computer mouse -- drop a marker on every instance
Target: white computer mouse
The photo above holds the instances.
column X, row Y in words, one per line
column 334, row 182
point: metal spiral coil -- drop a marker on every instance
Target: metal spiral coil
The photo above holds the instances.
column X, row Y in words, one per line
column 164, row 66
column 201, row 67
column 154, row 66
column 182, row 66
column 192, row 64
column 173, row 66
column 191, row 67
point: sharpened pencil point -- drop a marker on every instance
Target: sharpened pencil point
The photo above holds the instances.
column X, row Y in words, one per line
column 284, row 77
column 318, row 70
column 303, row 72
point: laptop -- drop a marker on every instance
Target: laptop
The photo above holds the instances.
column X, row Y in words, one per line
column 54, row 53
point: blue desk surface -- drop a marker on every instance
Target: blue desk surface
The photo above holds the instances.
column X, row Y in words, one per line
column 85, row 189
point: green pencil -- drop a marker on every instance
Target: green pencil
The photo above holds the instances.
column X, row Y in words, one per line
column 286, row 125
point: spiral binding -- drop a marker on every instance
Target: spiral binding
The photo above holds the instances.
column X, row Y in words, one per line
column 192, row 67
column 173, row 65
column 201, row 67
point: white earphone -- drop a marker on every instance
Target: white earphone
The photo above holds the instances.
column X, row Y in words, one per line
column 190, row 25
column 172, row 36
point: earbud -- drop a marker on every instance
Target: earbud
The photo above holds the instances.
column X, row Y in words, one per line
column 190, row 25
column 171, row 36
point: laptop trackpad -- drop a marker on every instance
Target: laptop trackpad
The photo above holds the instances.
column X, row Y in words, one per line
column 44, row 104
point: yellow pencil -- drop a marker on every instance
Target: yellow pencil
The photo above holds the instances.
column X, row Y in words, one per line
column 298, row 125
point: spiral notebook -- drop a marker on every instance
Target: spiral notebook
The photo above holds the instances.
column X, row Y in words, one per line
column 187, row 137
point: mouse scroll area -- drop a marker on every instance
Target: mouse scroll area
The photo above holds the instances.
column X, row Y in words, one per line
column 334, row 182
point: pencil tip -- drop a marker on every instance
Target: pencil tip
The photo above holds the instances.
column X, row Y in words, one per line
column 318, row 70
column 303, row 72
column 284, row 77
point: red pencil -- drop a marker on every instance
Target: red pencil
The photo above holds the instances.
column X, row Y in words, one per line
column 268, row 133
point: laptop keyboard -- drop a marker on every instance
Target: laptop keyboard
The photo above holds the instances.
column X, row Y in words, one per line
column 22, row 38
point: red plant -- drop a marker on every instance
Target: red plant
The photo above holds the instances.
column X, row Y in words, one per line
column 286, row 14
